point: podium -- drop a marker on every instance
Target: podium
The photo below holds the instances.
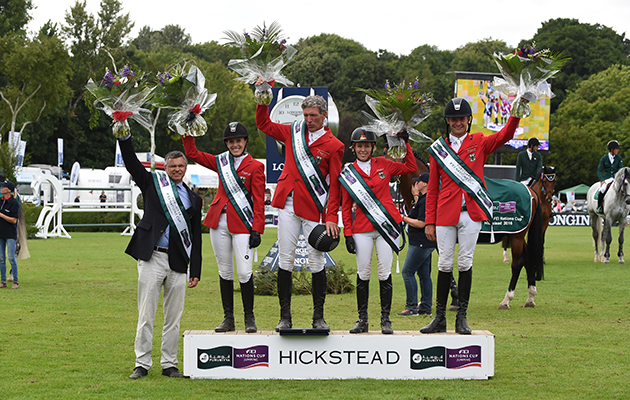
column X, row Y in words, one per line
column 340, row 355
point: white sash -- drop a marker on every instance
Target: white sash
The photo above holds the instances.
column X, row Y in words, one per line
column 374, row 210
column 174, row 210
column 309, row 170
column 461, row 174
column 235, row 189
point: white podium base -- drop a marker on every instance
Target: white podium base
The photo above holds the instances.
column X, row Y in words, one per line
column 341, row 355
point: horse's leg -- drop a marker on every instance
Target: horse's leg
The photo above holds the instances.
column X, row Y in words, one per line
column 622, row 226
column 517, row 263
column 606, row 240
column 531, row 284
column 530, row 297
column 595, row 233
column 505, row 243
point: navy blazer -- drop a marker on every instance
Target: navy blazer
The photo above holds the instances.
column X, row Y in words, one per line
column 154, row 222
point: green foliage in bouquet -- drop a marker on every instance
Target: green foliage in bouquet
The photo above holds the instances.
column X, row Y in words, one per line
column 539, row 64
column 114, row 84
column 172, row 87
column 262, row 45
column 408, row 102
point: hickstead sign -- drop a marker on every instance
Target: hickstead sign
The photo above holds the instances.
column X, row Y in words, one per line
column 404, row 355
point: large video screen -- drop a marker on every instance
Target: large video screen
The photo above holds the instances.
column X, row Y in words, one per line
column 491, row 110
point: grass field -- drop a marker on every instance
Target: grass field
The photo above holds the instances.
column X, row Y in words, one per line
column 69, row 331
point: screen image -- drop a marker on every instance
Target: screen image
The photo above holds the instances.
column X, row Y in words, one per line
column 491, row 110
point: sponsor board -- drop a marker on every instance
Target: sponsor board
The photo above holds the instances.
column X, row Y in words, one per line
column 340, row 355
column 570, row 219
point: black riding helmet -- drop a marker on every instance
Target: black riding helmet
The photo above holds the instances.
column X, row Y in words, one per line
column 612, row 145
column 360, row 135
column 235, row 130
column 457, row 107
column 533, row 142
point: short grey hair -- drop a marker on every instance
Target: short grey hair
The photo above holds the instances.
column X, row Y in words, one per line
column 315, row 101
column 174, row 154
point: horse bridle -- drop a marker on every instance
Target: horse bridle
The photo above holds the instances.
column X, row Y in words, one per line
column 545, row 192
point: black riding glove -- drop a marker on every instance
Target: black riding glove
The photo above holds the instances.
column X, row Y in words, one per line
column 404, row 135
column 350, row 245
column 254, row 240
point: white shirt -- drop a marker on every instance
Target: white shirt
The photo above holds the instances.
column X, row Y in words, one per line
column 313, row 136
column 238, row 160
column 529, row 154
column 366, row 166
column 456, row 142
column 611, row 158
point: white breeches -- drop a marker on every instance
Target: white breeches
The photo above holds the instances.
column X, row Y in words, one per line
column 365, row 243
column 607, row 182
column 465, row 233
column 289, row 227
column 229, row 246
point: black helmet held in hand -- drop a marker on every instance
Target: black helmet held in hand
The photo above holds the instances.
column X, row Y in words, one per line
column 320, row 239
column 235, row 130
column 612, row 145
column 457, row 107
column 360, row 135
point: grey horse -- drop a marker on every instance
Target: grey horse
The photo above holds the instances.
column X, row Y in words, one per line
column 616, row 201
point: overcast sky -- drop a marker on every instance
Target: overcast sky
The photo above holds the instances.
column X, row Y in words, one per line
column 398, row 27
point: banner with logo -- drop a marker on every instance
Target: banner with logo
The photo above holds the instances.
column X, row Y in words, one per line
column 268, row 355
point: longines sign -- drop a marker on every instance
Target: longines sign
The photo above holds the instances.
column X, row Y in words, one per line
column 570, row 219
column 404, row 355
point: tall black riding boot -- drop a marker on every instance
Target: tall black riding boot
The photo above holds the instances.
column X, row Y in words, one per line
column 247, row 295
column 454, row 295
column 439, row 322
column 387, row 290
column 465, row 282
column 285, row 288
column 363, row 294
column 227, row 298
column 318, row 287
column 600, row 203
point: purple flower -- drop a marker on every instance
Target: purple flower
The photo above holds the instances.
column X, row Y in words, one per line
column 415, row 85
column 108, row 79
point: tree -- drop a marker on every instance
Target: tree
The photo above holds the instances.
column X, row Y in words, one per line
column 36, row 80
column 592, row 49
column 597, row 111
column 477, row 57
column 14, row 15
column 170, row 36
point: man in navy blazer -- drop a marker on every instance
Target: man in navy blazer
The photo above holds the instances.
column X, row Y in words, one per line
column 162, row 258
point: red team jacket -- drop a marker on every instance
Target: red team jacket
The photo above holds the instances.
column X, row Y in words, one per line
column 327, row 149
column 381, row 171
column 253, row 173
column 444, row 196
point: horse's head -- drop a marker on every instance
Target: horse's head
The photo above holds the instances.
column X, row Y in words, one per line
column 622, row 184
column 547, row 180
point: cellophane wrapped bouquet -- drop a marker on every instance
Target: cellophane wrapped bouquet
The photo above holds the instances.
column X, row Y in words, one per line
column 525, row 72
column 264, row 53
column 397, row 109
column 183, row 90
column 122, row 95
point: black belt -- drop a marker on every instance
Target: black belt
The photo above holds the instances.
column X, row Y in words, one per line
column 464, row 208
column 161, row 249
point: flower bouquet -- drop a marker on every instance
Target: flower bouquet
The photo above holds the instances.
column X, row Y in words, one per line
column 525, row 72
column 264, row 53
column 398, row 109
column 184, row 92
column 122, row 95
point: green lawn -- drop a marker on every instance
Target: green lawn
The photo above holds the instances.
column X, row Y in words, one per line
column 69, row 331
